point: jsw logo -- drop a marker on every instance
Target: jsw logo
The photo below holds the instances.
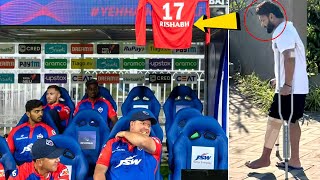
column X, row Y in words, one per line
column 27, row 148
column 129, row 161
column 203, row 157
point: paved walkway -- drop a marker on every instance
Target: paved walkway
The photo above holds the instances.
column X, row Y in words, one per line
column 247, row 128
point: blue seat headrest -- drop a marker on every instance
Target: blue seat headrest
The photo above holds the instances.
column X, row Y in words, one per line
column 179, row 98
column 203, row 141
column 72, row 156
column 91, row 131
column 182, row 117
column 6, row 158
column 143, row 97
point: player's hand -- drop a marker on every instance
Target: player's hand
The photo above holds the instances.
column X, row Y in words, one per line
column 120, row 134
column 273, row 83
column 285, row 90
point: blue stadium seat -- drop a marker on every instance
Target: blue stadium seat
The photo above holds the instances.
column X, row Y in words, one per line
column 199, row 133
column 104, row 92
column 6, row 158
column 46, row 118
column 65, row 99
column 177, row 126
column 179, row 98
column 90, row 130
column 123, row 124
column 73, row 157
column 141, row 97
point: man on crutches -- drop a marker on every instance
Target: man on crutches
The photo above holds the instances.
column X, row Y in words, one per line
column 289, row 56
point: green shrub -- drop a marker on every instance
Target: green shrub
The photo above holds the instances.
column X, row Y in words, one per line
column 256, row 90
column 313, row 99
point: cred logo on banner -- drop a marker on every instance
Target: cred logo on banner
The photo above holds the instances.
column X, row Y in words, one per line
column 55, row 78
column 29, row 48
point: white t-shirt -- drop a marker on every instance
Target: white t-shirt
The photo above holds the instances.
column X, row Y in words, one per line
column 290, row 39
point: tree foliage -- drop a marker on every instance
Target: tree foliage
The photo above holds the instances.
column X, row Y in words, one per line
column 313, row 43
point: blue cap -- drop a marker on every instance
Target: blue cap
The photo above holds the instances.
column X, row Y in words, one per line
column 142, row 116
column 45, row 148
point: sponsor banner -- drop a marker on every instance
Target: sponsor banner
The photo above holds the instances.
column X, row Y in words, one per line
column 7, row 63
column 160, row 64
column 108, row 49
column 6, row 78
column 87, row 139
column 186, row 78
column 29, row 48
column 108, row 63
column 81, row 48
column 153, row 50
column 7, row 49
column 82, row 63
column 108, row 78
column 133, row 49
column 55, row 78
column 81, row 78
column 134, row 78
column 56, row 48
column 29, row 64
column 186, row 64
column 192, row 50
column 28, row 78
column 202, row 157
column 134, row 64
column 218, row 2
column 160, row 78
column 55, row 63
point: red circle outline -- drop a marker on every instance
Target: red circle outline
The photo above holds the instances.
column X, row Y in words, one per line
column 259, row 39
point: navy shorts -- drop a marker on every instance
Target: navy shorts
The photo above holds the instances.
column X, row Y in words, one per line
column 298, row 107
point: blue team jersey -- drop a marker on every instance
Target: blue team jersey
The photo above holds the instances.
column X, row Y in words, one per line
column 22, row 137
column 125, row 161
column 28, row 172
column 101, row 105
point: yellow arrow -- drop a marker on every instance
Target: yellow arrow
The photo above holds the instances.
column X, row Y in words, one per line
column 227, row 21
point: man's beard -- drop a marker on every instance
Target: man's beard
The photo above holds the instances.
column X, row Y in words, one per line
column 270, row 27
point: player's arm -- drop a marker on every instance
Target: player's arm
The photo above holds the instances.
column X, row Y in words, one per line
column 64, row 112
column 112, row 114
column 289, row 65
column 99, row 172
column 103, row 161
column 140, row 140
column 10, row 141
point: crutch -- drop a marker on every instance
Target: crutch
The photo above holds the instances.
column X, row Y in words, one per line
column 286, row 124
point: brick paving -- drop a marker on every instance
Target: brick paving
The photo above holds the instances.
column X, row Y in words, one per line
column 247, row 128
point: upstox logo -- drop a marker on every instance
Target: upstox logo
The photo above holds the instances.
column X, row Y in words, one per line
column 55, row 78
column 29, row 63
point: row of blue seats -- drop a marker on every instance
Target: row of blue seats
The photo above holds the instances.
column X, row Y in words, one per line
column 141, row 96
column 181, row 97
column 86, row 135
column 83, row 140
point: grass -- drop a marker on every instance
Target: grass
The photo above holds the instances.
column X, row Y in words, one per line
column 257, row 90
